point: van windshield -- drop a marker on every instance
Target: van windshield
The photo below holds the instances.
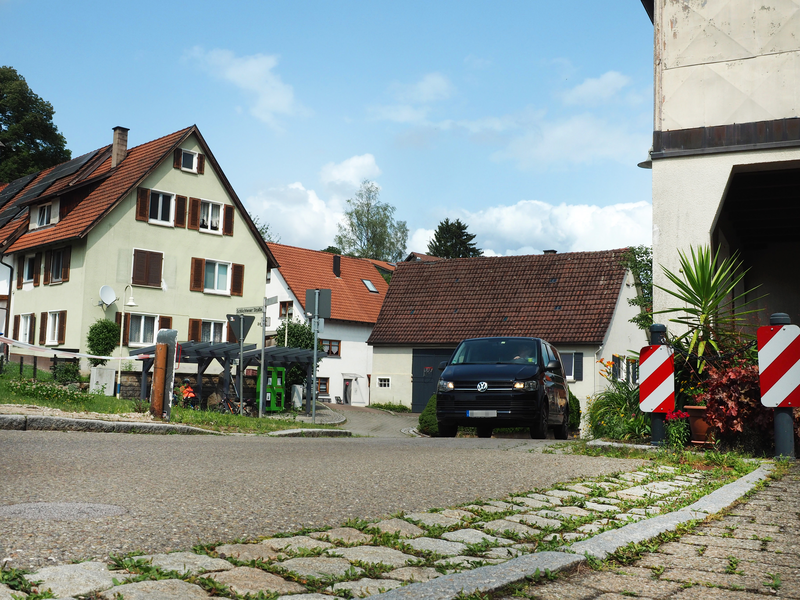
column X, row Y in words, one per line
column 496, row 351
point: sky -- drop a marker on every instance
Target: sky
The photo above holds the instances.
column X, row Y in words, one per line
column 523, row 119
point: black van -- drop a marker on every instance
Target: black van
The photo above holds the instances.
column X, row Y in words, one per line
column 503, row 382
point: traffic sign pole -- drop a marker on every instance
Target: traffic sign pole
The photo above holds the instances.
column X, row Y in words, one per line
column 778, row 360
column 657, row 387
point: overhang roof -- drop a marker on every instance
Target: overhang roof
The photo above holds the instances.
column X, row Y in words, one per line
column 649, row 6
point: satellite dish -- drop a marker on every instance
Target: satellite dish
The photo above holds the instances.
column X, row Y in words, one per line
column 107, row 295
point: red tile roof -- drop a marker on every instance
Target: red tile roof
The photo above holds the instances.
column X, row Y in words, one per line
column 563, row 298
column 304, row 269
column 419, row 256
column 382, row 265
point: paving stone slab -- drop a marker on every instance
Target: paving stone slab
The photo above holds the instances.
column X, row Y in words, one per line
column 699, row 592
column 247, row 580
column 247, row 552
column 443, row 547
column 708, row 579
column 164, row 589
column 73, row 580
column 678, row 549
column 487, row 508
column 502, row 525
column 562, row 494
column 594, row 506
column 310, row 597
column 606, row 500
column 548, row 499
column 374, row 555
column 5, row 591
column 730, row 543
column 458, row 563
column 319, row 566
column 295, row 543
column 628, row 517
column 536, row 519
column 456, row 513
column 399, row 526
column 572, row 511
column 474, row 536
column 366, row 587
column 532, row 502
column 594, row 526
column 413, row 574
column 567, row 537
column 348, row 535
column 580, row 488
column 186, row 562
column 433, row 519
column 607, row 581
column 502, row 553
column 766, row 558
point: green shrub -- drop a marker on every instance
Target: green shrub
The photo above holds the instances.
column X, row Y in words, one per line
column 398, row 408
column 101, row 340
column 427, row 419
column 614, row 413
column 574, row 412
column 66, row 372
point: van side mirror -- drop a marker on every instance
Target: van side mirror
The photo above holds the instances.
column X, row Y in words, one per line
column 443, row 365
column 553, row 365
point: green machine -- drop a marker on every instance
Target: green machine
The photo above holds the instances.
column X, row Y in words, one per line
column 273, row 389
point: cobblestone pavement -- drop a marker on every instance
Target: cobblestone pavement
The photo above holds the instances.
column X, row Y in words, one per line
column 751, row 552
column 370, row 557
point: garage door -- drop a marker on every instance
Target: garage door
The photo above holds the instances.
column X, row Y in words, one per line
column 424, row 375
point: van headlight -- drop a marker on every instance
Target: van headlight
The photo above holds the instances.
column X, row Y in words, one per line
column 445, row 386
column 528, row 386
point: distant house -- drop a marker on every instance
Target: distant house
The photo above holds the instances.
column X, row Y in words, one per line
column 576, row 301
column 420, row 257
column 159, row 222
column 357, row 293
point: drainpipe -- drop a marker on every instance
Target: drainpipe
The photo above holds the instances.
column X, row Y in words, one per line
column 8, row 308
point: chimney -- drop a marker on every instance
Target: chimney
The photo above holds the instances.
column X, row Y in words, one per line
column 549, row 251
column 119, row 148
column 337, row 265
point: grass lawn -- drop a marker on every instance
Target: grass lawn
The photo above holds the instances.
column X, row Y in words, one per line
column 43, row 392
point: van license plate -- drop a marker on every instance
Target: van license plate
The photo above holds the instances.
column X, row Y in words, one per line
column 482, row 413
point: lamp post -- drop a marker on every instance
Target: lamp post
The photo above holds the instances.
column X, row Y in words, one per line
column 130, row 303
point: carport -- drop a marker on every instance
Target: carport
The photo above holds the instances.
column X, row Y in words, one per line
column 203, row 354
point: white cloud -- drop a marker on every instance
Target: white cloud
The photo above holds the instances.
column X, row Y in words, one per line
column 531, row 226
column 418, row 241
column 597, row 90
column 581, row 139
column 298, row 215
column 350, row 172
column 433, row 87
column 254, row 75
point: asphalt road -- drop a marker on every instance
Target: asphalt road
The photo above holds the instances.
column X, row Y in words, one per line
column 181, row 490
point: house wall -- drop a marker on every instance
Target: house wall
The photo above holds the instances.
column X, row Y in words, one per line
column 394, row 363
column 687, row 196
column 721, row 63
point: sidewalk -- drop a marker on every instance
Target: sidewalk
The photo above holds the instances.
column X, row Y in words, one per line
column 484, row 547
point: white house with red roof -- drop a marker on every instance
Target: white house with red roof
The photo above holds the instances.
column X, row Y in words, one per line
column 357, row 294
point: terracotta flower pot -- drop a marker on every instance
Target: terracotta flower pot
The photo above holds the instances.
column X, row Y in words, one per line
column 702, row 434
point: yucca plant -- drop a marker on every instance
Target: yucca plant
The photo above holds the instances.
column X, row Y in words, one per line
column 712, row 311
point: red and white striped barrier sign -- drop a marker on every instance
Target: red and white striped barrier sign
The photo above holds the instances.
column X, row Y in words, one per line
column 657, row 376
column 779, row 365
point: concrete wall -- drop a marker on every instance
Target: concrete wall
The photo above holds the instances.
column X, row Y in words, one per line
column 717, row 63
column 394, row 363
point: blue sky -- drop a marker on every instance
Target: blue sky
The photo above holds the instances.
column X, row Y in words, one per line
column 523, row 119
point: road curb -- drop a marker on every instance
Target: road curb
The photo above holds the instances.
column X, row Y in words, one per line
column 495, row 577
column 311, row 433
column 45, row 423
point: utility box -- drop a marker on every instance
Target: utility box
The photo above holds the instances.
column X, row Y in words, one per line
column 102, row 381
column 274, row 391
column 297, row 397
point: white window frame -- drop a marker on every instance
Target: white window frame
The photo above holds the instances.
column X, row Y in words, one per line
column 30, row 259
column 56, row 274
column 53, row 318
column 571, row 375
column 193, row 169
column 387, row 380
column 289, row 304
column 159, row 220
column 370, row 286
column 214, row 290
column 44, row 209
column 35, row 212
column 143, row 317
column 213, row 325
column 25, row 328
column 211, row 204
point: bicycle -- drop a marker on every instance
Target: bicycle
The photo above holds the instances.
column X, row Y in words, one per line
column 228, row 406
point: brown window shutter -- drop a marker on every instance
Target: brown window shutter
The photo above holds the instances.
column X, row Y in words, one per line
column 43, row 329
column 118, row 321
column 177, row 156
column 20, row 271
column 15, row 335
column 62, row 327
column 201, row 164
column 66, row 254
column 32, row 329
column 197, row 276
column 227, row 226
column 154, row 264
column 139, row 267
column 237, row 280
column 143, row 204
column 195, row 330
column 194, row 214
column 180, row 211
column 37, row 267
column 48, row 257
column 231, row 338
column 126, row 330
column 165, row 322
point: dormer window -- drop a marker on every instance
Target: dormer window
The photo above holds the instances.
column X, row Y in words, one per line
column 189, row 161
column 44, row 214
column 370, row 286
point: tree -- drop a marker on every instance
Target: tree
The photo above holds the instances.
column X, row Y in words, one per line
column 639, row 260
column 31, row 139
column 265, row 231
column 300, row 336
column 332, row 250
column 452, row 240
column 370, row 230
column 102, row 338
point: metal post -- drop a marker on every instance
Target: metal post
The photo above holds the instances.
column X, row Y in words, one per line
column 263, row 369
column 658, row 337
column 316, row 343
column 784, row 416
column 35, row 365
column 239, row 366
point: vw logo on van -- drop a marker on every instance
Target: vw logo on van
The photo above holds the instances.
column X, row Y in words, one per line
column 483, row 386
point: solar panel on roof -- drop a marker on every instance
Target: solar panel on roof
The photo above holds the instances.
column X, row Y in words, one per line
column 61, row 171
column 7, row 216
column 15, row 186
